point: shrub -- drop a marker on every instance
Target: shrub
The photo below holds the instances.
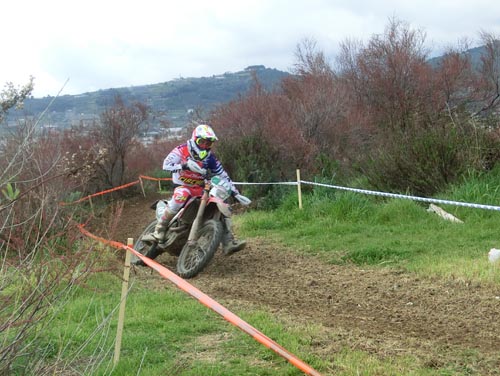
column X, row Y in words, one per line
column 41, row 256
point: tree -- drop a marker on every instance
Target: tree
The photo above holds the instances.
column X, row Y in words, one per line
column 319, row 108
column 454, row 78
column 115, row 133
column 416, row 116
column 389, row 74
column 12, row 97
column 490, row 74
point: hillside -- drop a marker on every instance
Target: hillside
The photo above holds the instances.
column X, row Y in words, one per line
column 169, row 100
column 475, row 54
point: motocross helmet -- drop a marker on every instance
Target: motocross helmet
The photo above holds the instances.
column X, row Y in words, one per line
column 201, row 141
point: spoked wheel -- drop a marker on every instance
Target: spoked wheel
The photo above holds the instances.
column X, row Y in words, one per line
column 194, row 257
column 148, row 249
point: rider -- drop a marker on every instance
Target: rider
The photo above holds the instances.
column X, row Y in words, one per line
column 189, row 163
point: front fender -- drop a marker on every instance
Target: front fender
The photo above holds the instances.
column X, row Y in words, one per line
column 221, row 205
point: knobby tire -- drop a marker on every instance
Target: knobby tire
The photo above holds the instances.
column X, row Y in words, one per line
column 194, row 258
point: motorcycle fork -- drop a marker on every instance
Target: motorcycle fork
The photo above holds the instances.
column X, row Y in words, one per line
column 199, row 216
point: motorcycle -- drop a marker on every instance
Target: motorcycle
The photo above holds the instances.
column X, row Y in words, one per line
column 195, row 232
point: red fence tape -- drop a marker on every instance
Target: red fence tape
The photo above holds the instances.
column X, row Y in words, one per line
column 100, row 193
column 113, row 189
column 151, row 178
column 212, row 304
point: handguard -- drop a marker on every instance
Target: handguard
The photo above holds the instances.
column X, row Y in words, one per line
column 243, row 199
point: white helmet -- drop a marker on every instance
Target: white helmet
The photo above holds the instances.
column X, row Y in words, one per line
column 201, row 141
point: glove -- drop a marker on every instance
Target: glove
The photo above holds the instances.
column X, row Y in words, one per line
column 243, row 199
column 193, row 166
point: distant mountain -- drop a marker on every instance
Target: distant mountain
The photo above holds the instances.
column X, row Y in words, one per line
column 170, row 101
column 474, row 54
column 174, row 99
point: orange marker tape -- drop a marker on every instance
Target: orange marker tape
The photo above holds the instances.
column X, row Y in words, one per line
column 213, row 305
column 112, row 189
column 151, row 178
column 100, row 193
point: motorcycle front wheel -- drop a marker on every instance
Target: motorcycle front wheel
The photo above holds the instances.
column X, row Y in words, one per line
column 194, row 257
column 148, row 249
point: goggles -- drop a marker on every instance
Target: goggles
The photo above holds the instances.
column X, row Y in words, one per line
column 205, row 143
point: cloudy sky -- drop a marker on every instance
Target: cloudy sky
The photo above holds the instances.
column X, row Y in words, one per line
column 79, row 46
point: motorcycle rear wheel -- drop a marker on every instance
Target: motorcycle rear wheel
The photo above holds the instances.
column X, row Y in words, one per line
column 194, row 257
column 148, row 249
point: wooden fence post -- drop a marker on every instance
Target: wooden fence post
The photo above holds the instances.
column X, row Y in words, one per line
column 121, row 314
column 299, row 191
column 142, row 186
column 91, row 206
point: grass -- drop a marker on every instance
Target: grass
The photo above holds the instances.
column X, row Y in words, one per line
column 363, row 230
column 165, row 332
column 168, row 333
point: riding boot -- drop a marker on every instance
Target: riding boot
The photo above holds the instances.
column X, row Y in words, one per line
column 160, row 229
column 229, row 244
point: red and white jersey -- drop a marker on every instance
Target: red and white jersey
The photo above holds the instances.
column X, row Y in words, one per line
column 179, row 155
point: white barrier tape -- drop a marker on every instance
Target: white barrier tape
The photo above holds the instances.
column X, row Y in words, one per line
column 277, row 183
column 416, row 198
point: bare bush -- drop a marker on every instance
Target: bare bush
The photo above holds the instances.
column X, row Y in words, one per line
column 422, row 135
column 116, row 133
column 42, row 258
column 386, row 112
column 319, row 105
column 259, row 140
column 489, row 82
column 389, row 74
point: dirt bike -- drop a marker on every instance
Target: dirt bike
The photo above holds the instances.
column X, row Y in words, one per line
column 195, row 232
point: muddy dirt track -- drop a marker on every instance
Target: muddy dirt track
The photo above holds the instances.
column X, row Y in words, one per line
column 385, row 312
